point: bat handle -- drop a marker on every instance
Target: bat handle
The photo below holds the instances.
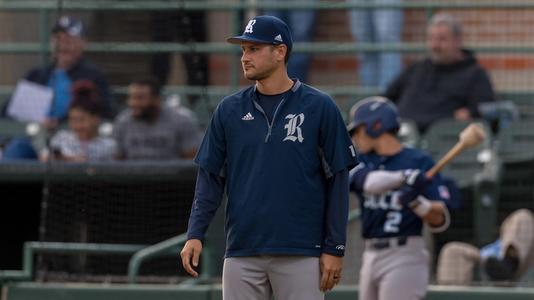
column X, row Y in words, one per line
column 457, row 149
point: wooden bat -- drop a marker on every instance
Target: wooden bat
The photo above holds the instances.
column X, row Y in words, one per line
column 470, row 137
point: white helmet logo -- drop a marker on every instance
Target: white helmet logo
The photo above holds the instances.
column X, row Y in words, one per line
column 249, row 28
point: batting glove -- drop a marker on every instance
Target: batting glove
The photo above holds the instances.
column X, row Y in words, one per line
column 407, row 195
column 416, row 179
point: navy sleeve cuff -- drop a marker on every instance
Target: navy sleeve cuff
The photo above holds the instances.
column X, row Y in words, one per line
column 195, row 236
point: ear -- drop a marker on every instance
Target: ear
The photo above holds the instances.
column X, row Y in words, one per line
column 281, row 51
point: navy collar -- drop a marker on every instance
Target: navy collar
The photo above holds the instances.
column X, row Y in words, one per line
column 294, row 88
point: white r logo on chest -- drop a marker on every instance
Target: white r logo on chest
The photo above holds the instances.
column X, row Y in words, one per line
column 294, row 132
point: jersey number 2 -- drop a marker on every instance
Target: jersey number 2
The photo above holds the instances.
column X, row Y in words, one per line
column 393, row 221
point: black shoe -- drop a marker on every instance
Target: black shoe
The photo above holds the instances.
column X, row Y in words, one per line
column 501, row 269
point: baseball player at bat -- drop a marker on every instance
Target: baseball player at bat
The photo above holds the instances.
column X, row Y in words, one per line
column 396, row 198
column 281, row 152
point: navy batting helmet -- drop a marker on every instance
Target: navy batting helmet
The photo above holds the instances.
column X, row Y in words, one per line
column 378, row 114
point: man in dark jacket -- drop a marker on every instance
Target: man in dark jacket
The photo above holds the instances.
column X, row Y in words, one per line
column 448, row 84
column 68, row 66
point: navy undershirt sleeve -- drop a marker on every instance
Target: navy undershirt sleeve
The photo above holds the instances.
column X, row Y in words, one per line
column 337, row 211
column 208, row 196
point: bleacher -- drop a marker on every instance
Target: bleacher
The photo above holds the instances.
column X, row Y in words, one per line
column 118, row 250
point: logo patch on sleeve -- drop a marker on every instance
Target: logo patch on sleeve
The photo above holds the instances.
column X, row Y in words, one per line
column 444, row 192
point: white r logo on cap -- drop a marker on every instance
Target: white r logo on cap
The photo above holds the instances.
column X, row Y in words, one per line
column 250, row 24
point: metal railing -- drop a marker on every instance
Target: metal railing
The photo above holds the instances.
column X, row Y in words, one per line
column 45, row 8
column 32, row 248
column 167, row 247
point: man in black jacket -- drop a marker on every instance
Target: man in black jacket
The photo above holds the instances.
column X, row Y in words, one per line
column 68, row 66
column 448, row 84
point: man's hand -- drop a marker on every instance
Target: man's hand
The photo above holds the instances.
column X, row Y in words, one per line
column 407, row 195
column 50, row 123
column 462, row 114
column 416, row 179
column 330, row 267
column 190, row 255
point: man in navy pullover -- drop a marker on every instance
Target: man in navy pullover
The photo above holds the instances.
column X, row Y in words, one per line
column 280, row 150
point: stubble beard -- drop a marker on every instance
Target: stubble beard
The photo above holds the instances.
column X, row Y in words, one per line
column 259, row 75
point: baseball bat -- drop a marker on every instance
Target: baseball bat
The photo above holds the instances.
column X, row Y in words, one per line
column 470, row 137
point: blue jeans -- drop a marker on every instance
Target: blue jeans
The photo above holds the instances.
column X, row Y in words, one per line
column 378, row 69
column 19, row 148
column 301, row 23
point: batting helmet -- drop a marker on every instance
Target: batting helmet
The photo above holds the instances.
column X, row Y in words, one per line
column 378, row 114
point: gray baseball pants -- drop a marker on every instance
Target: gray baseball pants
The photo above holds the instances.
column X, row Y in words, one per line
column 397, row 272
column 261, row 277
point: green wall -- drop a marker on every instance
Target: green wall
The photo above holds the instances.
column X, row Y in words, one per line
column 39, row 291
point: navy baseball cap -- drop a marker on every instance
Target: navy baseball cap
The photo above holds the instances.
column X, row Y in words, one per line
column 69, row 25
column 265, row 30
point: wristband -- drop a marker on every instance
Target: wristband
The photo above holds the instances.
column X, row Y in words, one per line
column 421, row 206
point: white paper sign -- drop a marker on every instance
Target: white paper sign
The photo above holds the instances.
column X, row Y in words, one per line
column 30, row 102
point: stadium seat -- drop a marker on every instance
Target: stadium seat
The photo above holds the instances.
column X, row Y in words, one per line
column 515, row 148
column 440, row 138
column 476, row 172
column 10, row 129
column 499, row 113
column 516, row 142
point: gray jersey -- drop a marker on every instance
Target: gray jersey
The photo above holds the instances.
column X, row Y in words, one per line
column 97, row 149
column 168, row 137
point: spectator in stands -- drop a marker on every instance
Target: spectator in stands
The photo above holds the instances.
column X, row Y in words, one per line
column 381, row 25
column 448, row 84
column 302, row 23
column 68, row 65
column 82, row 143
column 507, row 259
column 148, row 129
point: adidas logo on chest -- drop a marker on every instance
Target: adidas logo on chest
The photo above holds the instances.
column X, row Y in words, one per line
column 247, row 117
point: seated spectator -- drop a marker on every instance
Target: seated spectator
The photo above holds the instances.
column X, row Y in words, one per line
column 507, row 259
column 448, row 84
column 148, row 129
column 82, row 143
column 68, row 65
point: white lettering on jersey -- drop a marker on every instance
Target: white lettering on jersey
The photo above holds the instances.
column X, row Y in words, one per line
column 249, row 28
column 393, row 221
column 387, row 201
column 294, row 132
